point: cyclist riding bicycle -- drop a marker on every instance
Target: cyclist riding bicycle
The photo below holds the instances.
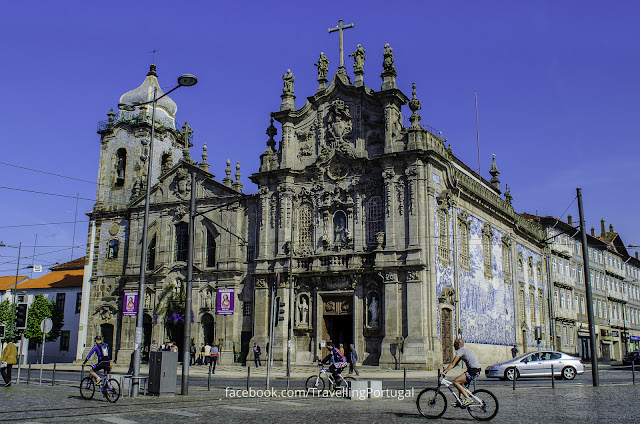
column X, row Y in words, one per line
column 337, row 360
column 473, row 369
column 102, row 353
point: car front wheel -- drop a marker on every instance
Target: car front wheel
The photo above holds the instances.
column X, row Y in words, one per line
column 569, row 373
column 511, row 373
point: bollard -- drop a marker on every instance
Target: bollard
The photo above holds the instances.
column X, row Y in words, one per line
column 474, row 384
column 553, row 380
column 515, row 377
column 53, row 375
column 438, row 375
column 248, row 376
column 633, row 371
column 404, row 381
column 209, row 379
column 29, row 373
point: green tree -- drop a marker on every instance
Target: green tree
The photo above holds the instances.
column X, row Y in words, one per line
column 40, row 309
column 6, row 317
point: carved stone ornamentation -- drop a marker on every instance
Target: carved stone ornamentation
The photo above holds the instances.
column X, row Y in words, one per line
column 413, row 275
column 339, row 122
column 261, row 283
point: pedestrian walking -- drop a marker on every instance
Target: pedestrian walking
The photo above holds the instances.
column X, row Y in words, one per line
column 514, row 351
column 207, row 354
column 192, row 353
column 201, row 358
column 7, row 361
column 353, row 355
column 256, row 355
column 214, row 358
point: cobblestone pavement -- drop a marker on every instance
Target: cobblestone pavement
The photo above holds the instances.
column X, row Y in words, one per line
column 46, row 404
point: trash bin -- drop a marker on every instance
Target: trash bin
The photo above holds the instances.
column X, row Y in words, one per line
column 163, row 374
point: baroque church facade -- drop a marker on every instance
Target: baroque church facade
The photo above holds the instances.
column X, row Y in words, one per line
column 372, row 233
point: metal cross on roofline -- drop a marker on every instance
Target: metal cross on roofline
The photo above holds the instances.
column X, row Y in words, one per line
column 340, row 28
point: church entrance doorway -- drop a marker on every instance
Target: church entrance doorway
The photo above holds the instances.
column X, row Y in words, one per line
column 208, row 329
column 337, row 321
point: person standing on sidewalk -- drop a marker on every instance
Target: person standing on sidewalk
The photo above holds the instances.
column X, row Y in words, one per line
column 214, row 357
column 256, row 355
column 207, row 354
column 8, row 358
column 514, row 351
column 154, row 347
column 192, row 353
column 353, row 355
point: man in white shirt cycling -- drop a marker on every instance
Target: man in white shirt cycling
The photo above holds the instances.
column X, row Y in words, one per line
column 473, row 369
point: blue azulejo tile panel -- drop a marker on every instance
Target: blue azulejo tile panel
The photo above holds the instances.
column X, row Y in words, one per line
column 486, row 303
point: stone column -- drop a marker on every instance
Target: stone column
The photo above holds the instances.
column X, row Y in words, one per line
column 392, row 324
column 431, row 280
column 261, row 311
column 390, row 207
column 414, row 343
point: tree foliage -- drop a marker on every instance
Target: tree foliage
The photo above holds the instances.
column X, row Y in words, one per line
column 6, row 317
column 40, row 309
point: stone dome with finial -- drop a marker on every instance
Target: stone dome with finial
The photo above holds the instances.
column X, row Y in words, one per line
column 165, row 108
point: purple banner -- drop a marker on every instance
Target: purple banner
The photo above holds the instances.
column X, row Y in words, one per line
column 130, row 307
column 224, row 301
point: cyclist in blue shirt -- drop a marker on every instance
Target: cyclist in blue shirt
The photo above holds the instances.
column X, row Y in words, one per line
column 337, row 360
column 102, row 353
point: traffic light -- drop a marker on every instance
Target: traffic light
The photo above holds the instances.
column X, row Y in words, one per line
column 21, row 316
column 280, row 310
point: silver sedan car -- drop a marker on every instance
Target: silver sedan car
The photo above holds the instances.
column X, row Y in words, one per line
column 538, row 364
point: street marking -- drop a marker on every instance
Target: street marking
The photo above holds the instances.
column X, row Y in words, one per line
column 290, row 402
column 240, row 408
column 178, row 412
column 115, row 420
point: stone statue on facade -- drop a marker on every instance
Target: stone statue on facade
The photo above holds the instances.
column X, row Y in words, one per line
column 288, row 79
column 373, row 310
column 323, row 67
column 358, row 59
column 387, row 63
column 303, row 308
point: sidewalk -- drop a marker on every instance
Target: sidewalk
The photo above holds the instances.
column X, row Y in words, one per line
column 239, row 371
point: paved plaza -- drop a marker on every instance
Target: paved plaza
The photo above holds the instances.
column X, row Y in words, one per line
column 533, row 401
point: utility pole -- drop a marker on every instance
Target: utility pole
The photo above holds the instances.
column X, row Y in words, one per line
column 587, row 287
column 186, row 340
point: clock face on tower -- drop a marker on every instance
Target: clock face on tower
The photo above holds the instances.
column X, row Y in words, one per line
column 338, row 170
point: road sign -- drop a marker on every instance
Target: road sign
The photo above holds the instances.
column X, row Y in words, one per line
column 46, row 325
column 37, row 268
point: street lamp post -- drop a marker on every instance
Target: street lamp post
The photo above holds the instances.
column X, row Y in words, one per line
column 184, row 80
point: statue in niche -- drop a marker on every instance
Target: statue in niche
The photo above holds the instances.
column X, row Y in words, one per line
column 387, row 63
column 358, row 59
column 207, row 299
column 303, row 309
column 288, row 79
column 147, row 300
column 340, row 228
column 323, row 67
column 373, row 311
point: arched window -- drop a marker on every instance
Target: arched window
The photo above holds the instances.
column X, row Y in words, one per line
column 182, row 241
column 112, row 249
column 151, row 254
column 211, row 249
column 305, row 226
column 522, row 311
column 487, row 234
column 340, row 228
column 121, row 166
column 375, row 218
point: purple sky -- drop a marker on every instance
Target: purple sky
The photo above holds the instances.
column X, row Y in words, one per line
column 557, row 87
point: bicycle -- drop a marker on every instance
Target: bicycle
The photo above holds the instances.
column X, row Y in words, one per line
column 432, row 403
column 109, row 387
column 316, row 382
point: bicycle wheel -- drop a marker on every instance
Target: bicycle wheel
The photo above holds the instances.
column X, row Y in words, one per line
column 111, row 390
column 487, row 410
column 87, row 388
column 314, row 383
column 431, row 403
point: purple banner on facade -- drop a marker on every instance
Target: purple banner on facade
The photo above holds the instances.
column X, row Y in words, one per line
column 130, row 307
column 225, row 301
